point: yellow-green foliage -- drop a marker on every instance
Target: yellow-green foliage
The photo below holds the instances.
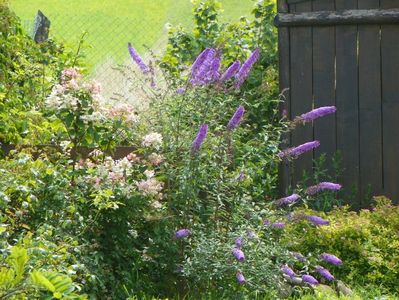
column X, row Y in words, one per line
column 367, row 242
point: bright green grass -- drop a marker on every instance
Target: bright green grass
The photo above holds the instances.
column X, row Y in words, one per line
column 112, row 23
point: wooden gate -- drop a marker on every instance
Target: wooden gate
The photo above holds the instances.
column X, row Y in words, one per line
column 344, row 53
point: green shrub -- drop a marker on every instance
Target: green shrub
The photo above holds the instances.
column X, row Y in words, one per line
column 366, row 242
column 27, row 73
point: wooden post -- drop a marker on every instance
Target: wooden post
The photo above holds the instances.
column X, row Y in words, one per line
column 42, row 28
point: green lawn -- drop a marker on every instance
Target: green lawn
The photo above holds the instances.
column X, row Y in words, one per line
column 112, row 23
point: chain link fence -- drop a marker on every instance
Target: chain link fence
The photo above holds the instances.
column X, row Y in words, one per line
column 107, row 34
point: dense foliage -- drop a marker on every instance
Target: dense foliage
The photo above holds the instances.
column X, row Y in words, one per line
column 193, row 209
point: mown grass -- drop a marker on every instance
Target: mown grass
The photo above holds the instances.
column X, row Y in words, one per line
column 110, row 24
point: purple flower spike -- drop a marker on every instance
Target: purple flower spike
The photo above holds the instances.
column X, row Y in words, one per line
column 318, row 113
column 266, row 222
column 288, row 271
column 180, row 91
column 332, row 259
column 137, row 59
column 323, row 186
column 240, row 278
column 325, row 273
column 236, row 119
column 238, row 243
column 231, row 71
column 246, row 68
column 199, row 139
column 309, row 279
column 278, row 225
column 238, row 254
column 296, row 151
column 317, row 220
column 288, row 200
column 200, row 60
column 205, row 73
column 182, row 233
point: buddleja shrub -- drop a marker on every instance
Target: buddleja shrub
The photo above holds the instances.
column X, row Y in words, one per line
column 218, row 174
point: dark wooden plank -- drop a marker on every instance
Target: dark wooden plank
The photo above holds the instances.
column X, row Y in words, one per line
column 390, row 104
column 301, row 90
column 324, row 129
column 342, row 17
column 284, row 82
column 347, row 103
column 370, row 122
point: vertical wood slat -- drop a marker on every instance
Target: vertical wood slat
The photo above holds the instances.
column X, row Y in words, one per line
column 347, row 103
column 390, row 104
column 301, row 90
column 324, row 83
column 370, row 137
column 284, row 66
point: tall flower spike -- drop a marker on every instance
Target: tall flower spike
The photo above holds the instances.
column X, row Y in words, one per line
column 236, row 119
column 325, row 273
column 246, row 68
column 309, row 279
column 323, row 186
column 317, row 113
column 317, row 220
column 199, row 61
column 238, row 254
column 203, row 73
column 182, row 233
column 288, row 271
column 231, row 71
column 288, row 200
column 330, row 258
column 199, row 139
column 296, row 151
column 240, row 278
column 137, row 59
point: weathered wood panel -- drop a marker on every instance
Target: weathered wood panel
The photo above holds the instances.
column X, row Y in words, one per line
column 301, row 90
column 370, row 122
column 324, row 83
column 347, row 96
column 342, row 17
column 285, row 108
column 390, row 104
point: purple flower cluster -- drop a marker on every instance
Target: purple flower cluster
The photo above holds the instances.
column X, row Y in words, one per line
column 182, row 233
column 278, row 225
column 317, row 113
column 240, row 278
column 317, row 220
column 236, row 119
column 288, row 200
column 288, row 271
column 180, row 91
column 309, row 279
column 238, row 254
column 296, row 151
column 137, row 59
column 332, row 259
column 323, row 186
column 238, row 243
column 199, row 139
column 206, row 67
column 325, row 273
column 231, row 71
column 246, row 68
